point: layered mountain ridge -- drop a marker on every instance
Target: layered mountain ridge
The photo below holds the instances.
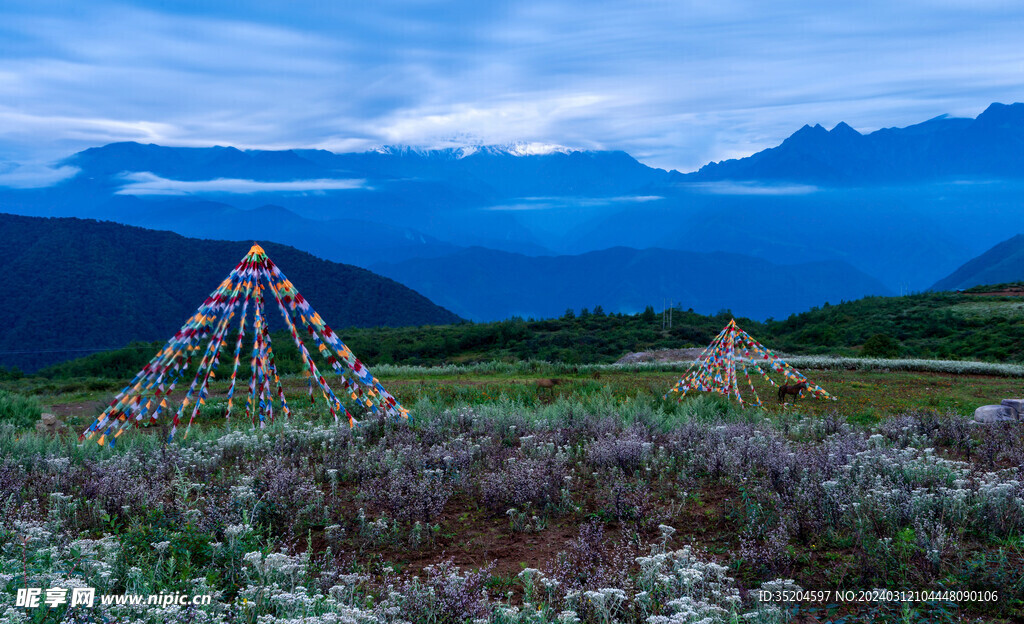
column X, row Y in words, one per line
column 941, row 148
column 904, row 206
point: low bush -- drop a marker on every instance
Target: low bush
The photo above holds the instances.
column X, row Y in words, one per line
column 17, row 410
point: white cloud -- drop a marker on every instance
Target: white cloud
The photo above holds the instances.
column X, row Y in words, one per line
column 676, row 84
column 518, row 121
column 639, row 199
column 20, row 125
column 33, row 175
column 545, row 203
column 524, row 206
column 752, row 188
column 145, row 183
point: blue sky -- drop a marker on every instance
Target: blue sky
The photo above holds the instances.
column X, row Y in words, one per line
column 675, row 83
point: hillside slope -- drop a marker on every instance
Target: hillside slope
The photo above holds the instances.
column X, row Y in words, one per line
column 935, row 325
column 73, row 284
column 999, row 265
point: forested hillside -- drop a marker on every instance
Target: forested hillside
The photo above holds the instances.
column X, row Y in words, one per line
column 74, row 285
column 932, row 325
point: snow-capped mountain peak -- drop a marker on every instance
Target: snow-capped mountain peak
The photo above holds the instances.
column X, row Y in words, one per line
column 524, row 148
column 517, row 148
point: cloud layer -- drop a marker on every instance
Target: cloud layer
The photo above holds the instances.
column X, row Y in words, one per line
column 675, row 83
column 547, row 203
column 145, row 183
column 33, row 175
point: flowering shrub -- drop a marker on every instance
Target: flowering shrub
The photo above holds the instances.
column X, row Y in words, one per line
column 627, row 453
column 521, row 481
column 316, row 523
column 593, row 561
column 446, row 595
column 409, row 495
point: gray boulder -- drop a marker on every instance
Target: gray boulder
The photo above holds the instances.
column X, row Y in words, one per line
column 994, row 414
column 1016, row 404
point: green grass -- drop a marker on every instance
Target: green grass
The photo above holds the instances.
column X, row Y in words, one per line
column 989, row 309
column 866, row 395
column 19, row 410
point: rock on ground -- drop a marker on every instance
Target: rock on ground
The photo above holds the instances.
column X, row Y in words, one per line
column 1016, row 404
column 50, row 424
column 994, row 414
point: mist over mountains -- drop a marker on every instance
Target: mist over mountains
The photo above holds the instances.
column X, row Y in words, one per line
column 895, row 210
column 485, row 285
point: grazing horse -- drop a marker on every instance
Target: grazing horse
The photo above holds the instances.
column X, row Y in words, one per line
column 547, row 383
column 794, row 389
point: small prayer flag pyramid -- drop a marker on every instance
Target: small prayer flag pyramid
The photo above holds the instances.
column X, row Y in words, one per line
column 205, row 334
column 715, row 369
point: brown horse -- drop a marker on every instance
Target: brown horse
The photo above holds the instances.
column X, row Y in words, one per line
column 547, row 383
column 794, row 389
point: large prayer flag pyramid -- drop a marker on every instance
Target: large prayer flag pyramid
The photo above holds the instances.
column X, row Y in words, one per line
column 206, row 334
column 731, row 351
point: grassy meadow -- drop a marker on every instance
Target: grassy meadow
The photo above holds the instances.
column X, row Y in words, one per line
column 595, row 501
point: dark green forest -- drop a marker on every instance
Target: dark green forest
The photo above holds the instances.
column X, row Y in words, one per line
column 73, row 285
column 929, row 325
column 943, row 325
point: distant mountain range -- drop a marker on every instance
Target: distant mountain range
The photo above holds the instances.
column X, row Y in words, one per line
column 488, row 171
column 939, row 149
column 905, row 206
column 1002, row 264
column 484, row 285
column 74, row 285
column 388, row 204
column 348, row 240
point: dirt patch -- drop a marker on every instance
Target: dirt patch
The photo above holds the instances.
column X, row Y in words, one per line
column 471, row 538
column 706, row 521
column 77, row 411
